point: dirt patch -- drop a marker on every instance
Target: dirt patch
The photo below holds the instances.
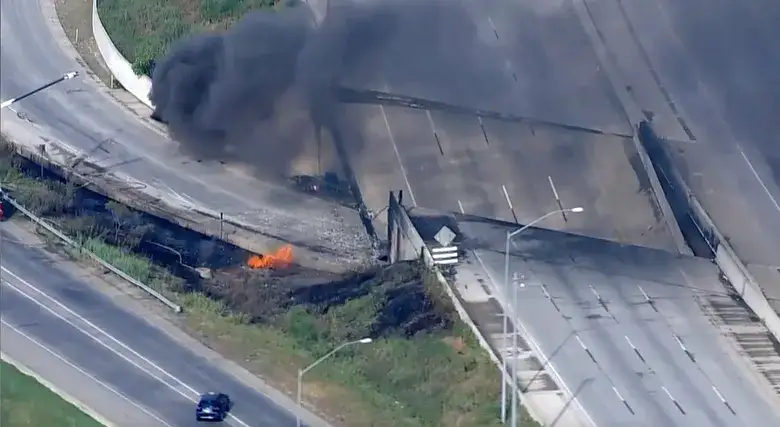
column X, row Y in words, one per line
column 76, row 19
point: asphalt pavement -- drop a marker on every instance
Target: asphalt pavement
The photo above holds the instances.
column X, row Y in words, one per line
column 629, row 330
column 53, row 303
column 79, row 113
column 70, row 381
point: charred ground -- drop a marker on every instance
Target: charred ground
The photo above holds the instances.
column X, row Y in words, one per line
column 394, row 300
column 424, row 368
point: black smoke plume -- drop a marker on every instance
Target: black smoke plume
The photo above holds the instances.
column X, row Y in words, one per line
column 262, row 90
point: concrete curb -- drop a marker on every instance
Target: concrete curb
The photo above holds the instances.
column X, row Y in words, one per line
column 65, row 396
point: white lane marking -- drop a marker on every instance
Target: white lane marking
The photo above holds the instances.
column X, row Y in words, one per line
column 460, row 206
column 552, row 186
column 397, row 154
column 85, row 373
column 668, row 394
column 110, row 337
column 430, row 121
column 547, row 363
column 506, row 196
column 97, row 340
column 617, row 393
column 760, row 181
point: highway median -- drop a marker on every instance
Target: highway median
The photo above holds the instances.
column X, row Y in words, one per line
column 423, row 368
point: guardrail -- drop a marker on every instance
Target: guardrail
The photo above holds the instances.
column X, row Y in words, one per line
column 105, row 264
column 726, row 258
column 118, row 65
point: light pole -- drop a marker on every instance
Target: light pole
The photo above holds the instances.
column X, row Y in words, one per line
column 509, row 236
column 317, row 362
column 66, row 76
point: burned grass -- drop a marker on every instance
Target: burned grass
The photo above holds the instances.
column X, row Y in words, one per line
column 423, row 368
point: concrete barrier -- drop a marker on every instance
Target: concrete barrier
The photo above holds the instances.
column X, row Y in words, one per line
column 120, row 68
column 407, row 244
column 723, row 254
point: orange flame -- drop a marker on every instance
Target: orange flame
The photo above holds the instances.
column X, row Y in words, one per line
column 282, row 258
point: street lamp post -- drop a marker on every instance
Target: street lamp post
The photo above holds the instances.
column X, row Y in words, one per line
column 317, row 362
column 509, row 236
column 4, row 104
column 66, row 76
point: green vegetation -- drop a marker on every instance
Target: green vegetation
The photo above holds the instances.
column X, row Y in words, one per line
column 24, row 402
column 143, row 30
column 424, row 368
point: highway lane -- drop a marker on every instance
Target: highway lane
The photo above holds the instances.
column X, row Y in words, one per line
column 54, row 304
column 167, row 407
column 80, row 113
column 445, row 158
column 585, row 303
column 530, row 59
column 708, row 73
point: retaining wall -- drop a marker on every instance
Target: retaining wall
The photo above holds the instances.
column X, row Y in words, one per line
column 120, row 68
column 407, row 244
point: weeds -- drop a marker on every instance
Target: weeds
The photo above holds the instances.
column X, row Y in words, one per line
column 25, row 402
column 143, row 30
column 423, row 369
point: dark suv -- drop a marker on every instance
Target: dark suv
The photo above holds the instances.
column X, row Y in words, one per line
column 213, row 407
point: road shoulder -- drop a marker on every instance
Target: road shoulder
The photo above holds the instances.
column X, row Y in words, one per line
column 39, row 365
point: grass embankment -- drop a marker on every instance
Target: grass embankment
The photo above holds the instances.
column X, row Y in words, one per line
column 144, row 29
column 24, row 402
column 424, row 369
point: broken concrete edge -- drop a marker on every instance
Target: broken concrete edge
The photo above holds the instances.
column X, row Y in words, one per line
column 659, row 196
column 209, row 224
column 56, row 390
column 633, row 115
column 400, row 227
column 730, row 265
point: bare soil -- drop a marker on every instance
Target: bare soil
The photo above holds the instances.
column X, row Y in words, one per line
column 76, row 19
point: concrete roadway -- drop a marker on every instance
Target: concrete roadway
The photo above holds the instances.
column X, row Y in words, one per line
column 79, row 113
column 708, row 72
column 531, row 59
column 52, row 312
column 626, row 359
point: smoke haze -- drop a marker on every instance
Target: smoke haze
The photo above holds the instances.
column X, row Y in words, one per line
column 261, row 91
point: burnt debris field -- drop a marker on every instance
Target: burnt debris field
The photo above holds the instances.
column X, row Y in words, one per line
column 273, row 316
